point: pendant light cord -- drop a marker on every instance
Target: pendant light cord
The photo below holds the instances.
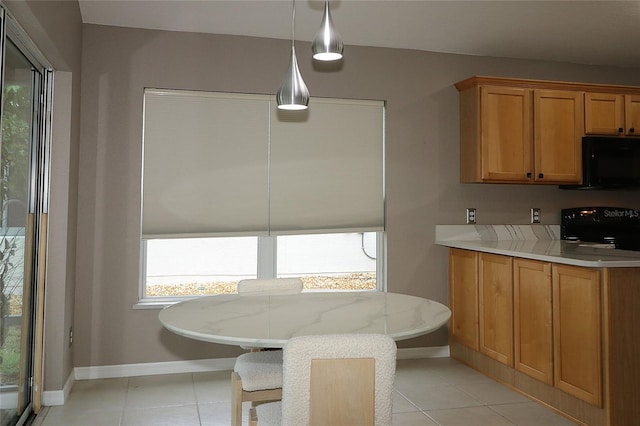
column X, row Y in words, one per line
column 293, row 24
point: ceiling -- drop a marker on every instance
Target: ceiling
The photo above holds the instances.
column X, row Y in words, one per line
column 585, row 32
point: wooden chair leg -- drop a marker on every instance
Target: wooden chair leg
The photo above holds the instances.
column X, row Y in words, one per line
column 255, row 397
column 236, row 400
column 253, row 417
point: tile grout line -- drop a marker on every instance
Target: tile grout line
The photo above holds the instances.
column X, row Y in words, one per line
column 501, row 415
column 430, row 418
column 195, row 397
column 124, row 405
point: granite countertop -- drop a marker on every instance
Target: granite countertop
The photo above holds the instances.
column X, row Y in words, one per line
column 537, row 242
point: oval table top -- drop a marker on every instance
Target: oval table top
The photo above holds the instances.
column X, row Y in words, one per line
column 269, row 321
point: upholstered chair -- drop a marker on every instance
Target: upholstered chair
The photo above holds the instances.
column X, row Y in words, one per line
column 257, row 375
column 341, row 379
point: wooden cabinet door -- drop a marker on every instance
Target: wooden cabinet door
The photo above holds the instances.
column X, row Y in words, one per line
column 505, row 133
column 533, row 331
column 603, row 114
column 632, row 115
column 463, row 296
column 577, row 330
column 496, row 307
column 558, row 125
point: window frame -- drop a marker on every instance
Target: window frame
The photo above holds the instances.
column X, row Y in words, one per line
column 266, row 268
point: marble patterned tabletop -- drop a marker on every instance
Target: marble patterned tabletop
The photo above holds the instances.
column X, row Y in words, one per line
column 269, row 321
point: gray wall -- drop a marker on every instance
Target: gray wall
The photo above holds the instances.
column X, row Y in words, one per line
column 56, row 28
column 422, row 181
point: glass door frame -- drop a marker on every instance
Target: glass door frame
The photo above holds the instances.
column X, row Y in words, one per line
column 38, row 205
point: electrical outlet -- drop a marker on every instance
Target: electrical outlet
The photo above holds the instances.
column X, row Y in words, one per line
column 471, row 215
column 535, row 215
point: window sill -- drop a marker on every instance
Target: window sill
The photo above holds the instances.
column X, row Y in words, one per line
column 159, row 302
column 163, row 302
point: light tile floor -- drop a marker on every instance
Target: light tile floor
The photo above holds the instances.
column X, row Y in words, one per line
column 437, row 391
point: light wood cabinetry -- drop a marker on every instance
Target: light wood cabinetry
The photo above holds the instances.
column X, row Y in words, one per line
column 632, row 115
column 603, row 114
column 576, row 345
column 520, row 135
column 496, row 307
column 622, row 345
column 533, row 331
column 558, row 125
column 612, row 114
column 463, row 296
column 577, row 329
column 530, row 131
column 505, row 139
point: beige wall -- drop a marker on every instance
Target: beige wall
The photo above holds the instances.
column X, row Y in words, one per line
column 56, row 29
column 421, row 177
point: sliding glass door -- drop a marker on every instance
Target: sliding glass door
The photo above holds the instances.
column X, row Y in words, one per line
column 23, row 179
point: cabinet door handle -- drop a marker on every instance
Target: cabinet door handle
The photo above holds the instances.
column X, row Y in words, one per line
column 632, row 129
column 540, row 175
column 529, row 175
column 620, row 130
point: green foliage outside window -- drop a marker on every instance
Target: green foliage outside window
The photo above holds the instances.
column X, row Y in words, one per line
column 14, row 167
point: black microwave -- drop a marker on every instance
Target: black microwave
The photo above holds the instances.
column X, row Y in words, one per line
column 609, row 163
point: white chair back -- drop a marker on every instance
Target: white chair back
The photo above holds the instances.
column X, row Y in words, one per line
column 265, row 287
column 360, row 380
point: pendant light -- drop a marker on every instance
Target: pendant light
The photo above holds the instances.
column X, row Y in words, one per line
column 293, row 93
column 327, row 44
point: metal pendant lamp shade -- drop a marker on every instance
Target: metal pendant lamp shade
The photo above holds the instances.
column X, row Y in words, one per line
column 327, row 44
column 293, row 93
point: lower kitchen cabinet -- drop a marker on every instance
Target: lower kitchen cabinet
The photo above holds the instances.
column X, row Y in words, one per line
column 575, row 339
column 496, row 307
column 577, row 329
column 463, row 296
column 542, row 319
column 533, row 331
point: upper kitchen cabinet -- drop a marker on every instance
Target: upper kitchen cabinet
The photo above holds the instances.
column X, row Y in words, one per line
column 558, row 124
column 519, row 134
column 495, row 134
column 530, row 131
column 632, row 114
column 612, row 114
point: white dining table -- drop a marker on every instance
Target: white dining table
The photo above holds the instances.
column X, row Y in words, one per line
column 270, row 321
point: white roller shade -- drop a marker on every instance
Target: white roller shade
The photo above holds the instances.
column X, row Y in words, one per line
column 231, row 164
column 205, row 164
column 326, row 168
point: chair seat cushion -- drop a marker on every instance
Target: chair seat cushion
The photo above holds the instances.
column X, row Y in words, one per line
column 260, row 370
column 270, row 414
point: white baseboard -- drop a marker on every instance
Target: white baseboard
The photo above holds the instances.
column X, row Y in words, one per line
column 428, row 352
column 58, row 397
column 153, row 368
column 195, row 366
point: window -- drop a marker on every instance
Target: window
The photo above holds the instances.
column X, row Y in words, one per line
column 233, row 188
column 198, row 266
column 195, row 266
column 329, row 261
